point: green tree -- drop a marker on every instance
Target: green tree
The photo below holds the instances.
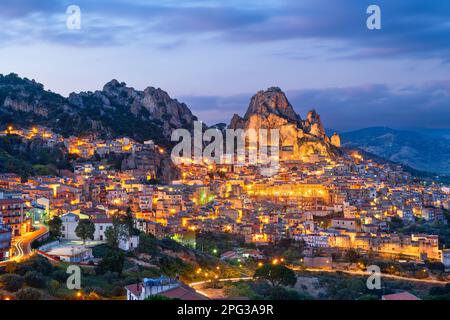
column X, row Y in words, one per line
column 85, row 230
column 34, row 279
column 292, row 255
column 39, row 264
column 352, row 255
column 276, row 275
column 55, row 226
column 112, row 261
column 128, row 221
column 112, row 238
column 54, row 286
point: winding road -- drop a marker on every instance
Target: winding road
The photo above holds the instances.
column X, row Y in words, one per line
column 22, row 244
column 197, row 285
column 383, row 275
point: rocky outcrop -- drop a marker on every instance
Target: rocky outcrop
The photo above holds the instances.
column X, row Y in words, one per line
column 336, row 140
column 313, row 125
column 116, row 110
column 23, row 106
column 151, row 104
column 271, row 102
column 237, row 122
column 299, row 139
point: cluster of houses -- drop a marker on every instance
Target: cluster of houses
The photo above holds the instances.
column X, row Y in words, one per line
column 332, row 204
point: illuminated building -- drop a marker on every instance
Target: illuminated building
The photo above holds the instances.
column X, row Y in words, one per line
column 5, row 241
column 12, row 211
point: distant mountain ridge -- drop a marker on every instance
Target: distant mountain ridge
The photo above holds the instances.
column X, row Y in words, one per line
column 418, row 150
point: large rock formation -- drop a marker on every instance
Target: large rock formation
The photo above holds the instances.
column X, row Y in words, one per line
column 116, row 110
column 299, row 139
column 336, row 140
column 152, row 105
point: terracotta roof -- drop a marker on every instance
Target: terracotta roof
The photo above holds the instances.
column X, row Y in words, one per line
column 400, row 296
column 184, row 293
column 135, row 289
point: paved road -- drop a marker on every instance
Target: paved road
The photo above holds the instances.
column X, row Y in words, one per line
column 384, row 275
column 22, row 245
column 192, row 284
column 356, row 273
column 197, row 286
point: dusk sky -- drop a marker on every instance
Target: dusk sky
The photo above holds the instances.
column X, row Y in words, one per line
column 214, row 55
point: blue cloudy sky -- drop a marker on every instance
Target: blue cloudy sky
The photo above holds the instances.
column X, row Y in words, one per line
column 215, row 54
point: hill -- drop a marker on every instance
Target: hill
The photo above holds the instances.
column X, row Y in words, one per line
column 418, row 150
column 116, row 110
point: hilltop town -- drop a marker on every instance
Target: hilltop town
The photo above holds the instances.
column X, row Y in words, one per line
column 336, row 207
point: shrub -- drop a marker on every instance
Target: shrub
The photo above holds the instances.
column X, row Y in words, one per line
column 60, row 275
column 40, row 264
column 54, row 286
column 94, row 290
column 118, row 291
column 28, row 294
column 34, row 279
column 11, row 282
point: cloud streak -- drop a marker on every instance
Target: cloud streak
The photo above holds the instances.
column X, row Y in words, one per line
column 415, row 27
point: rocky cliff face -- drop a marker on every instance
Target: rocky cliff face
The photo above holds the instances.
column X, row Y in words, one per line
column 152, row 105
column 116, row 110
column 271, row 102
column 299, row 139
column 313, row 125
column 336, row 140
